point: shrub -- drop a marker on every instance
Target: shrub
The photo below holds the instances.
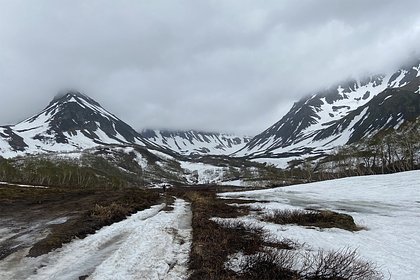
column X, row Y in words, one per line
column 332, row 265
column 269, row 265
column 110, row 212
column 342, row 264
column 321, row 219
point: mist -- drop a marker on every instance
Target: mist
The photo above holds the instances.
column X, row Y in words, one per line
column 231, row 66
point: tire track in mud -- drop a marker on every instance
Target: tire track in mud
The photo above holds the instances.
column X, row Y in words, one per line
column 153, row 244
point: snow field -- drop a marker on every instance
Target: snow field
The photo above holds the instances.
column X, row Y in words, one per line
column 387, row 205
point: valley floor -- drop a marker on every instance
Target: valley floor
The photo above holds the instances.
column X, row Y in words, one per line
column 158, row 242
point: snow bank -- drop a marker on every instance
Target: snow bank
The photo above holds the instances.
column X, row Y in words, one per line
column 387, row 205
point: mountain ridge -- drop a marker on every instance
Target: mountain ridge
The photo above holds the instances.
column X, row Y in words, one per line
column 193, row 142
column 305, row 127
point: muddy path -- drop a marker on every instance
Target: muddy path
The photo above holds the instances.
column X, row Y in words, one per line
column 153, row 243
column 44, row 218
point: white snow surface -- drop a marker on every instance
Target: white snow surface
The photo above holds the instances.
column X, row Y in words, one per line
column 387, row 205
column 151, row 244
column 201, row 173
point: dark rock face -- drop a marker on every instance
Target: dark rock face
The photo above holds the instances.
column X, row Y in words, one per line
column 15, row 141
column 387, row 110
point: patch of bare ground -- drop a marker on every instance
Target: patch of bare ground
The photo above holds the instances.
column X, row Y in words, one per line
column 87, row 210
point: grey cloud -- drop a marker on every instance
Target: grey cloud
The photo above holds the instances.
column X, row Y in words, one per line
column 210, row 65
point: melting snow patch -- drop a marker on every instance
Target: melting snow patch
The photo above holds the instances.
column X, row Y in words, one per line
column 23, row 186
column 387, row 205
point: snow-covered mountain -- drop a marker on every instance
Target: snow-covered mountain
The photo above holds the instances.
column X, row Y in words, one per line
column 340, row 115
column 72, row 121
column 316, row 124
column 195, row 142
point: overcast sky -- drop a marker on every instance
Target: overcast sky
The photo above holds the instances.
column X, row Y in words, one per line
column 211, row 65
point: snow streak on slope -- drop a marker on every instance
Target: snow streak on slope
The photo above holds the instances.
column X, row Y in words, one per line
column 152, row 244
column 387, row 205
column 195, row 142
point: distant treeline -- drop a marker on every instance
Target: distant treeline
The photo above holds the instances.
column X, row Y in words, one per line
column 44, row 171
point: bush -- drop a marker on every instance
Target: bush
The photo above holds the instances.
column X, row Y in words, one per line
column 269, row 265
column 332, row 265
column 344, row 264
column 321, row 219
column 110, row 212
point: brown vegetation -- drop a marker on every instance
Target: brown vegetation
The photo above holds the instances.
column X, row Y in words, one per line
column 212, row 242
column 316, row 218
column 87, row 209
column 322, row 265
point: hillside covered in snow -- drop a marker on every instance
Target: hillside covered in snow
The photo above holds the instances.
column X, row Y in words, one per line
column 71, row 122
column 343, row 114
column 196, row 142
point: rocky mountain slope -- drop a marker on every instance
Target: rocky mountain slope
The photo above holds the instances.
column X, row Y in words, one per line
column 195, row 142
column 340, row 115
column 72, row 121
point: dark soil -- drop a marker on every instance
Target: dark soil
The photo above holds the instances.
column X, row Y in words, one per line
column 87, row 210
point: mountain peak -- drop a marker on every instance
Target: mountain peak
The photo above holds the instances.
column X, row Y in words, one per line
column 72, row 121
column 72, row 95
